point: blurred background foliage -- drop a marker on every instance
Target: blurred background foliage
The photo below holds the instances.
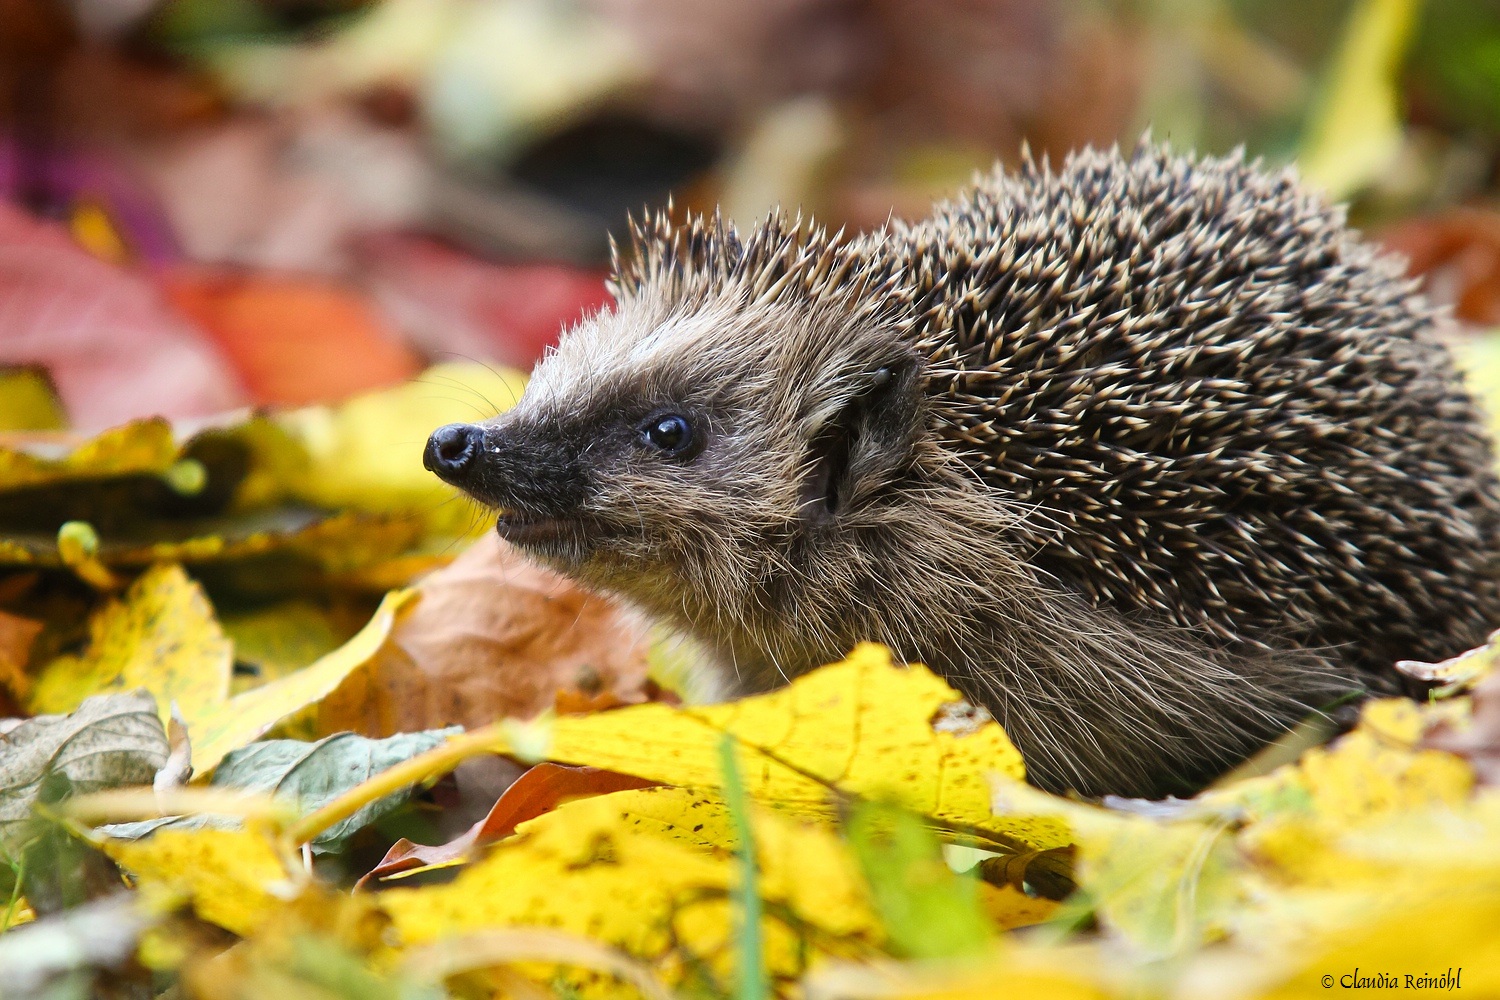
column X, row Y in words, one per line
column 311, row 198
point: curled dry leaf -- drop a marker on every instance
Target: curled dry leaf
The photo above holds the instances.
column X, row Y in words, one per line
column 493, row 636
column 1456, row 673
column 540, row 789
column 112, row 740
column 1476, row 738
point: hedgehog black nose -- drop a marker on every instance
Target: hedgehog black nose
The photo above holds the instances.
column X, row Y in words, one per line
column 451, row 451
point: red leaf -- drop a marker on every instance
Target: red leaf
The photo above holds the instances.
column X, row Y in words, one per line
column 453, row 303
column 541, row 789
column 1458, row 254
column 114, row 349
column 294, row 340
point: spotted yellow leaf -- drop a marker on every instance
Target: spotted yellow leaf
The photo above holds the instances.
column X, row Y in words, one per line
column 592, row 868
column 142, row 447
column 162, row 636
column 233, row 878
column 862, row 726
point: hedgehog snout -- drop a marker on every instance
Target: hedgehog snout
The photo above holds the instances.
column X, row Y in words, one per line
column 451, row 452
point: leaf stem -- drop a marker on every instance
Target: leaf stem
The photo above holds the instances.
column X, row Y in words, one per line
column 423, row 767
column 18, row 867
column 753, row 982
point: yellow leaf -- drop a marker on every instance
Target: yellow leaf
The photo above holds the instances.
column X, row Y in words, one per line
column 1369, row 775
column 337, row 543
column 243, row 718
column 366, row 453
column 281, row 639
column 28, row 402
column 233, row 877
column 861, row 726
column 1355, row 128
column 1010, row 908
column 141, row 447
column 1070, row 973
column 162, row 636
column 1165, row 886
column 600, row 867
column 1440, row 939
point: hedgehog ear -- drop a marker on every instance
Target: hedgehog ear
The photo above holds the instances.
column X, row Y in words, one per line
column 868, row 442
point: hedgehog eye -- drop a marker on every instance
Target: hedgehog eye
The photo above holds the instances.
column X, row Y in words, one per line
column 668, row 432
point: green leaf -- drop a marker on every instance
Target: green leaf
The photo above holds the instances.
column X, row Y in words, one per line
column 309, row 774
column 928, row 910
column 110, row 741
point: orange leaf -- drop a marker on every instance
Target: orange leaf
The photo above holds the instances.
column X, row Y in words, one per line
column 294, row 340
column 541, row 789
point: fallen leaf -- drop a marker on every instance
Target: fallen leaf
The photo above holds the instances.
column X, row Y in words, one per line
column 161, row 636
column 110, row 741
column 114, row 350
column 1165, row 887
column 307, row 775
column 494, row 636
column 1441, row 942
column 861, row 727
column 1457, row 253
column 365, row 454
column 1366, row 776
column 929, row 911
column 28, row 401
column 1474, row 737
column 282, row 638
column 179, row 766
column 64, row 951
column 1457, row 673
column 239, row 720
column 234, row 878
column 140, row 447
column 538, row 790
column 456, row 304
column 588, row 868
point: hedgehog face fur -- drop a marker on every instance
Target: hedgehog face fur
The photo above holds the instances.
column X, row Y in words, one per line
column 701, row 458
column 1149, row 456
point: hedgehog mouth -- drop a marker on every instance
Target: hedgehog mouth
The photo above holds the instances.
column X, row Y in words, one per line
column 527, row 529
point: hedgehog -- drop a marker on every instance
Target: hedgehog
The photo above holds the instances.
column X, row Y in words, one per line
column 1149, row 455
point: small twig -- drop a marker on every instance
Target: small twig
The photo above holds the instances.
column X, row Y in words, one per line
column 424, row 767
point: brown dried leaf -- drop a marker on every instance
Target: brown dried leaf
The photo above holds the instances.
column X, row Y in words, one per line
column 1458, row 255
column 17, row 635
column 493, row 636
column 1475, row 739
